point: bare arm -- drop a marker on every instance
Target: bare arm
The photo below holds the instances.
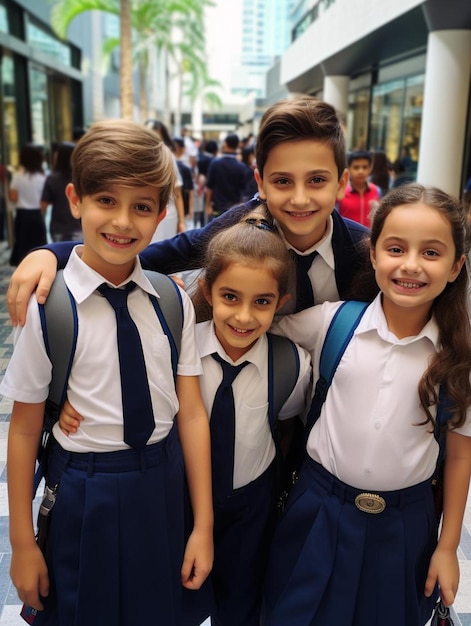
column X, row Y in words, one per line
column 444, row 563
column 28, row 568
column 180, row 209
column 209, row 198
column 13, row 195
column 193, row 430
column 37, row 271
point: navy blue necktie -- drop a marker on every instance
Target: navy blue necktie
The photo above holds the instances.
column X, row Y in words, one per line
column 138, row 416
column 222, row 427
column 304, row 293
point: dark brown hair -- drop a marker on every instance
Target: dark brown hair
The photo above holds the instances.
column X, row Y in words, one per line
column 121, row 152
column 249, row 245
column 296, row 119
column 450, row 367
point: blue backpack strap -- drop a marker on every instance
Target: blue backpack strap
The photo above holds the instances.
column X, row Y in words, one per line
column 169, row 310
column 340, row 331
column 283, row 374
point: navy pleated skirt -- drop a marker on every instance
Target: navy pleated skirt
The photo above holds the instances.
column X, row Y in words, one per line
column 116, row 541
column 333, row 564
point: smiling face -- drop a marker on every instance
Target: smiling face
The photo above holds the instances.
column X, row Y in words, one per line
column 117, row 224
column 301, row 185
column 244, row 300
column 414, row 259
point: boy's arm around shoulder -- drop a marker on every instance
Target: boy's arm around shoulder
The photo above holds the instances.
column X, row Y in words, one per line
column 193, row 431
column 186, row 251
column 36, row 271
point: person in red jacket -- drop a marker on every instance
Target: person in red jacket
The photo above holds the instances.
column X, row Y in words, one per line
column 360, row 195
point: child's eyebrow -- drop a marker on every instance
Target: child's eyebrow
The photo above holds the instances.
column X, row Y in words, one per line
column 428, row 242
column 238, row 293
column 310, row 173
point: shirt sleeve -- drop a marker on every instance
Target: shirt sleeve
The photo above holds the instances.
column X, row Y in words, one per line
column 300, row 397
column 28, row 374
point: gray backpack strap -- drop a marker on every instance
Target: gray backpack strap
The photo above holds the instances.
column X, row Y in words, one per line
column 60, row 327
column 283, row 374
column 169, row 309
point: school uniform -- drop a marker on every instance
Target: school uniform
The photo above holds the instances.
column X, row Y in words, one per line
column 332, row 561
column 116, row 538
column 244, row 516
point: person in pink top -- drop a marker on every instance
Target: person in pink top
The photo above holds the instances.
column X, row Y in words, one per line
column 360, row 195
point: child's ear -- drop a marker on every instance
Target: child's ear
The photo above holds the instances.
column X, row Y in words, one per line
column 259, row 181
column 456, row 269
column 282, row 301
column 373, row 257
column 206, row 291
column 343, row 182
column 161, row 216
column 74, row 200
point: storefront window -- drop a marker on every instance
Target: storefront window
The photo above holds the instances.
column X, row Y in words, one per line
column 47, row 44
column 39, row 107
column 357, row 122
column 413, row 106
column 3, row 19
column 396, row 119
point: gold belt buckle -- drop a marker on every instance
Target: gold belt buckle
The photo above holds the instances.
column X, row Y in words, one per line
column 370, row 503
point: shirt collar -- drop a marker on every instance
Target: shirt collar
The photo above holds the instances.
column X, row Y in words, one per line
column 208, row 343
column 82, row 280
column 323, row 247
column 374, row 320
column 350, row 189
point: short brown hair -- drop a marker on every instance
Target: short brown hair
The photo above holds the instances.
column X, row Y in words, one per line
column 122, row 152
column 302, row 117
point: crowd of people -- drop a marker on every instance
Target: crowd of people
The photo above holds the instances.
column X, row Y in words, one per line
column 184, row 524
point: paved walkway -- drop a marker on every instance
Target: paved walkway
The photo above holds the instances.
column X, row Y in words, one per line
column 9, row 603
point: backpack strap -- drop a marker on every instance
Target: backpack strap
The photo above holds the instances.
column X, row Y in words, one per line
column 58, row 316
column 59, row 325
column 340, row 331
column 169, row 309
column 283, row 374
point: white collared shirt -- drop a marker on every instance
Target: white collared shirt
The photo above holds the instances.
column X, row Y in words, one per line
column 324, row 285
column 94, row 384
column 367, row 434
column 254, row 447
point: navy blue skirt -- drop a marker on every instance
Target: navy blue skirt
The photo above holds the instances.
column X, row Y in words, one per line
column 332, row 563
column 116, row 541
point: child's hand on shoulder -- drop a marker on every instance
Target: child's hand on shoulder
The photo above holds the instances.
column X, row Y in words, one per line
column 69, row 420
column 198, row 559
column 444, row 569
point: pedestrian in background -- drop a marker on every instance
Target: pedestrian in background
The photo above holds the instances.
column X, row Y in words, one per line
column 25, row 193
column 174, row 220
column 63, row 225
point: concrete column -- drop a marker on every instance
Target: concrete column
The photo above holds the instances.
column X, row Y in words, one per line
column 446, row 93
column 336, row 92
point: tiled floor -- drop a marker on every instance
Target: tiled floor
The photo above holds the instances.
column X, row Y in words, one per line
column 9, row 603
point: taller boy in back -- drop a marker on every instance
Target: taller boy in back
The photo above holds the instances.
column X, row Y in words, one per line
column 301, row 173
column 115, row 551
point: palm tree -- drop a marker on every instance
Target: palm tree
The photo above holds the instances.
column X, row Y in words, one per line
column 153, row 23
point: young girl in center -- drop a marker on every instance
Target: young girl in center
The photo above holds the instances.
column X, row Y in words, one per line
column 245, row 281
column 332, row 561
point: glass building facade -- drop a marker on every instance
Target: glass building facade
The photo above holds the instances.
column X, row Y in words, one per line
column 40, row 91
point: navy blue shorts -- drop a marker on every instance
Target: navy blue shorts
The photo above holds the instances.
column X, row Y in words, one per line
column 332, row 563
column 116, row 540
